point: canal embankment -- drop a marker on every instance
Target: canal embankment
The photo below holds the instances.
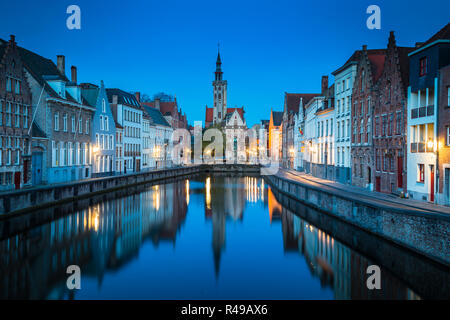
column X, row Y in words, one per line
column 26, row 200
column 424, row 231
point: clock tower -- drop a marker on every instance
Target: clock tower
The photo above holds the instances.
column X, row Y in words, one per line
column 220, row 93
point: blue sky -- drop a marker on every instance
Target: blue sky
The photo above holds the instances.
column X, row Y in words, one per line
column 267, row 47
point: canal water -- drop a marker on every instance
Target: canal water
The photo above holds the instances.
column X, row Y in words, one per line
column 206, row 237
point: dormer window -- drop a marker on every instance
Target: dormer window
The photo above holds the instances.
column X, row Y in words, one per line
column 423, row 66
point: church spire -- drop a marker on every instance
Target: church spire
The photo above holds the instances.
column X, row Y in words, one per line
column 218, row 65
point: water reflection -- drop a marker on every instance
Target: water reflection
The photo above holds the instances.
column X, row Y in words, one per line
column 108, row 238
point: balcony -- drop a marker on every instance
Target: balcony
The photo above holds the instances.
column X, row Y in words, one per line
column 420, row 147
column 422, row 112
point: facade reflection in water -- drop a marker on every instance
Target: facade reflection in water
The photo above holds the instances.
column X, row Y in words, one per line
column 104, row 237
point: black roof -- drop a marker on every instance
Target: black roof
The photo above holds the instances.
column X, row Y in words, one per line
column 277, row 117
column 123, row 97
column 156, row 116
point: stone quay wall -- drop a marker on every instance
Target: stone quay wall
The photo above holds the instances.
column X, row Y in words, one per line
column 426, row 233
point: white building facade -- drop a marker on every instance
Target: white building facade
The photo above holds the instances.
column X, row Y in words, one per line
column 319, row 156
column 344, row 79
column 128, row 112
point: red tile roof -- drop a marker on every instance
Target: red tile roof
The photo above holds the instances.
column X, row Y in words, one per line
column 209, row 115
column 239, row 110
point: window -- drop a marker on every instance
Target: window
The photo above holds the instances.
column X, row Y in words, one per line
column 17, row 116
column 420, row 172
column 103, row 105
column 73, row 124
column 80, row 125
column 56, row 124
column 17, row 160
column 8, row 84
column 70, row 154
column 361, row 130
column 423, row 66
column 1, row 115
column 8, row 114
column 17, row 86
column 377, row 126
column 448, row 94
column 398, row 125
column 106, row 123
column 384, row 128
column 65, row 123
column 25, row 117
column 447, row 140
column 87, row 126
column 101, row 123
column 361, row 83
column 391, row 123
column 378, row 160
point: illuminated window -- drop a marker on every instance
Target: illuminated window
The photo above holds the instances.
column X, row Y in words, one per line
column 420, row 172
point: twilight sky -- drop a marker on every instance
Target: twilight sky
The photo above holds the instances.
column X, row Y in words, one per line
column 267, row 47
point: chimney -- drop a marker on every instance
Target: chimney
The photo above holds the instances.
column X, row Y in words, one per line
column 73, row 70
column 138, row 96
column 61, row 64
column 324, row 84
column 12, row 39
column 364, row 47
column 115, row 99
column 157, row 104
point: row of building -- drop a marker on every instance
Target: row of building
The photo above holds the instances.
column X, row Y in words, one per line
column 383, row 125
column 53, row 129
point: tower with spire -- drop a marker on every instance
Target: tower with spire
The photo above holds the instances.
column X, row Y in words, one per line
column 220, row 92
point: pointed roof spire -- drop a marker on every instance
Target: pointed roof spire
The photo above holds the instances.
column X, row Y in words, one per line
column 218, row 62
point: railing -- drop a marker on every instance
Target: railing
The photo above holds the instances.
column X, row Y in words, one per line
column 422, row 112
column 420, row 147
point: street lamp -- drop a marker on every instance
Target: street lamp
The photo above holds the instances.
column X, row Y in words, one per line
column 430, row 144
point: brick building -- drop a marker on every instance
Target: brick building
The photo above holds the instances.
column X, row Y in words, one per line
column 389, row 134
column 444, row 135
column 168, row 106
column 365, row 91
column 15, row 119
